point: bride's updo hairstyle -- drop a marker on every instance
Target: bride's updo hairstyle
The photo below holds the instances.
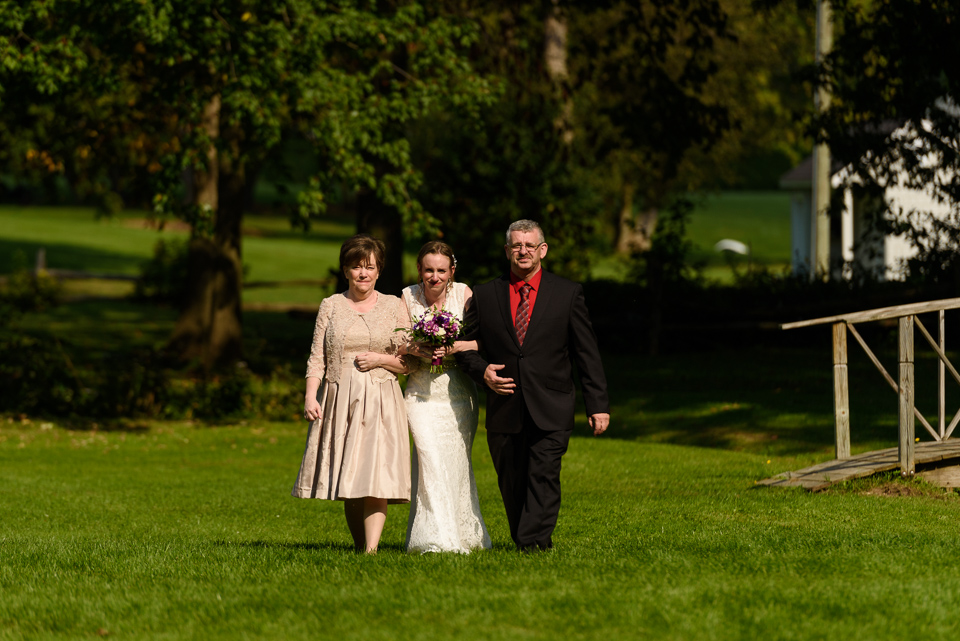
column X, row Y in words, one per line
column 440, row 248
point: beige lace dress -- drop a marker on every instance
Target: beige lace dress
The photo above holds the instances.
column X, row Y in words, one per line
column 360, row 446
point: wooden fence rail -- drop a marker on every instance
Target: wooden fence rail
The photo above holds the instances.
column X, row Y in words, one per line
column 903, row 386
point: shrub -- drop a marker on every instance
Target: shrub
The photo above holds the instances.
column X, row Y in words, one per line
column 234, row 395
column 28, row 291
column 37, row 377
column 163, row 278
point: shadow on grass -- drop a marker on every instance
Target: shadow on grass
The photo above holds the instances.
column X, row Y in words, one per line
column 758, row 397
column 94, row 332
column 771, row 400
column 332, row 237
column 21, row 254
column 285, row 545
column 107, row 425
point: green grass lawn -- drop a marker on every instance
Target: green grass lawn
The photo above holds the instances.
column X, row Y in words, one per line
column 181, row 531
column 760, row 219
column 173, row 530
column 74, row 239
column 176, row 530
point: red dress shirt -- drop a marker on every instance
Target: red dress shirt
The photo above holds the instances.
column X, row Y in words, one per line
column 515, row 285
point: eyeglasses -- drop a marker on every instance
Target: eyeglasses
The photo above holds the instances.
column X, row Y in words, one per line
column 516, row 247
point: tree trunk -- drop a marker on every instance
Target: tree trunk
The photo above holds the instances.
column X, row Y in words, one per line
column 209, row 329
column 555, row 59
column 383, row 222
column 634, row 232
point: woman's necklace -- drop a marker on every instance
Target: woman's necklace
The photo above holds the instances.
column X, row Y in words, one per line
column 365, row 305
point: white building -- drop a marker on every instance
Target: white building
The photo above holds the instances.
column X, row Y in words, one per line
column 856, row 245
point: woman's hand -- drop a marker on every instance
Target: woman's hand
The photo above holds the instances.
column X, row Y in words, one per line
column 368, row 361
column 311, row 409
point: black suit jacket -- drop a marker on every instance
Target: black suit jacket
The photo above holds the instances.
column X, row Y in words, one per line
column 559, row 335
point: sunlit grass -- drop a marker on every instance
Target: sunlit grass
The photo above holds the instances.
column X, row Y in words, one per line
column 758, row 219
column 185, row 531
column 75, row 239
column 761, row 220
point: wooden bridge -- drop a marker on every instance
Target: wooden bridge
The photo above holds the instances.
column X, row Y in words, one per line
column 938, row 459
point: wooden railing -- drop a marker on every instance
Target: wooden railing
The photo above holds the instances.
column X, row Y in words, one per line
column 909, row 414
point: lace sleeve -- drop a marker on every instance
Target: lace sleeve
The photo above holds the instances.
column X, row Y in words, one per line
column 403, row 320
column 316, row 366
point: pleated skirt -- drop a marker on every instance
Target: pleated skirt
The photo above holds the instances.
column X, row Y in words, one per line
column 361, row 446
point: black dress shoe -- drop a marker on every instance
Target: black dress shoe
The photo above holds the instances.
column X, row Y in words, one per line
column 535, row 548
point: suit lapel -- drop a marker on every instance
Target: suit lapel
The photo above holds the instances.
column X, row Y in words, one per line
column 503, row 298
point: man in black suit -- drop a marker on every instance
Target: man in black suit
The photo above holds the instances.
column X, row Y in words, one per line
column 532, row 326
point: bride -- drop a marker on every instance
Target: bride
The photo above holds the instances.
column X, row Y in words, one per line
column 442, row 414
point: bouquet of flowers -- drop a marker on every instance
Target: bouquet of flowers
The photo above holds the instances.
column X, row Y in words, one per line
column 437, row 328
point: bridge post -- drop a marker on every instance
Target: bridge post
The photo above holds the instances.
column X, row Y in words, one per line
column 942, row 391
column 905, row 450
column 841, row 393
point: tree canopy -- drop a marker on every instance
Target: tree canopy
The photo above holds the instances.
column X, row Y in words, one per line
column 447, row 118
column 132, row 96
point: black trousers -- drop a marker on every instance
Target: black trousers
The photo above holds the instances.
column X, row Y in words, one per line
column 528, row 472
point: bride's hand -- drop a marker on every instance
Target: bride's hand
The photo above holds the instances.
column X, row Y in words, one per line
column 440, row 352
column 420, row 349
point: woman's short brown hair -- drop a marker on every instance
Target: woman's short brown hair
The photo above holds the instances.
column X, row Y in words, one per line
column 357, row 249
column 437, row 247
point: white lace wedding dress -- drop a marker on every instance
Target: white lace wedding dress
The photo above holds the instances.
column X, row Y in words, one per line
column 442, row 411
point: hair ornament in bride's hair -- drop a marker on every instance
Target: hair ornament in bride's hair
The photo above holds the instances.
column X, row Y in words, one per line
column 453, row 257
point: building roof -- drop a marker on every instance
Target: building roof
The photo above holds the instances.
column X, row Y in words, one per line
column 800, row 177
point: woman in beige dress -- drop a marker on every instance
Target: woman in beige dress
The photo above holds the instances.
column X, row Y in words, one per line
column 358, row 448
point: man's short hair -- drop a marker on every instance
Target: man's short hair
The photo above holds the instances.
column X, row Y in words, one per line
column 524, row 225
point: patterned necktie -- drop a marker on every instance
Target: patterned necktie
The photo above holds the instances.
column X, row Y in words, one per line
column 523, row 312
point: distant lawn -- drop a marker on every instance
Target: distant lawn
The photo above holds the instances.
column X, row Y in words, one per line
column 759, row 219
column 75, row 239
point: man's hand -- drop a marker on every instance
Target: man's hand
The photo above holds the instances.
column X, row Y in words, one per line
column 502, row 386
column 599, row 423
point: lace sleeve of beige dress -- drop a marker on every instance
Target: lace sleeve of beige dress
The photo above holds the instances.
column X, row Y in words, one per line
column 316, row 365
column 410, row 362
